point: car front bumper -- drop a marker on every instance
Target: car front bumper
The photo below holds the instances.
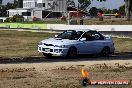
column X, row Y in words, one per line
column 55, row 51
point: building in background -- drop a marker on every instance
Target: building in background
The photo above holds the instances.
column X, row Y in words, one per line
column 40, row 9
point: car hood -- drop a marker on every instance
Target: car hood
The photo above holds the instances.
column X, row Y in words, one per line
column 54, row 41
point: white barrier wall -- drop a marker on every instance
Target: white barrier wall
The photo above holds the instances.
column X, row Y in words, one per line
column 95, row 27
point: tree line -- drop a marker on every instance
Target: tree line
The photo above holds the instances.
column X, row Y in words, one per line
column 4, row 8
column 83, row 5
column 94, row 11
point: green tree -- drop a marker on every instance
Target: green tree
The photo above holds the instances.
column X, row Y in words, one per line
column 93, row 11
column 0, row 2
column 4, row 8
column 70, row 3
column 18, row 3
column 122, row 9
column 15, row 18
column 128, row 8
column 3, row 11
column 107, row 11
column 83, row 4
column 15, row 4
column 115, row 11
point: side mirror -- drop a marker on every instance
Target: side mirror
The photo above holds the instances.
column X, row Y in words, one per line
column 83, row 39
column 56, row 36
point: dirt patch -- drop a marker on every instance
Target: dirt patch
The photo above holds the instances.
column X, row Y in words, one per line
column 66, row 76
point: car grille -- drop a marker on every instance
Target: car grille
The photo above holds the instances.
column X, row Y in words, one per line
column 43, row 49
column 51, row 50
column 48, row 44
column 47, row 50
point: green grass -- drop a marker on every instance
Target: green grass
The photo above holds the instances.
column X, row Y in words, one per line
column 55, row 22
column 24, row 44
column 25, row 25
column 92, row 21
column 20, row 44
column 107, row 22
column 123, row 44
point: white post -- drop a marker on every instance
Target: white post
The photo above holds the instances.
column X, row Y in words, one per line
column 78, row 13
column 68, row 18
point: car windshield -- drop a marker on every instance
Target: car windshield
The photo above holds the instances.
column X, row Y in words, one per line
column 70, row 34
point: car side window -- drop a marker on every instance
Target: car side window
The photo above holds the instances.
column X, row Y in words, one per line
column 97, row 35
column 93, row 35
column 88, row 36
column 78, row 34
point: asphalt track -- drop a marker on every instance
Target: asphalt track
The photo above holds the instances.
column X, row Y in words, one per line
column 116, row 57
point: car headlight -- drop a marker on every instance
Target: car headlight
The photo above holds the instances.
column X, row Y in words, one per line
column 61, row 46
column 40, row 43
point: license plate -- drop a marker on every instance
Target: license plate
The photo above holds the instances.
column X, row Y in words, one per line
column 47, row 50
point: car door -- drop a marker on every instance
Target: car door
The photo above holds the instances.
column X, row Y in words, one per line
column 86, row 46
column 98, row 42
column 94, row 43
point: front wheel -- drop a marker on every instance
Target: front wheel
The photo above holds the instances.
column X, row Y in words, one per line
column 72, row 53
column 105, row 52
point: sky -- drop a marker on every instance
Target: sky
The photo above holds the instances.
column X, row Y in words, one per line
column 5, row 1
column 109, row 4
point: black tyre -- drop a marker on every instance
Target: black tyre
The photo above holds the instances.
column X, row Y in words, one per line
column 47, row 55
column 72, row 53
column 85, row 82
column 105, row 52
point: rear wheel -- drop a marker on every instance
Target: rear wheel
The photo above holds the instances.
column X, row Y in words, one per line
column 47, row 55
column 72, row 53
column 105, row 52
